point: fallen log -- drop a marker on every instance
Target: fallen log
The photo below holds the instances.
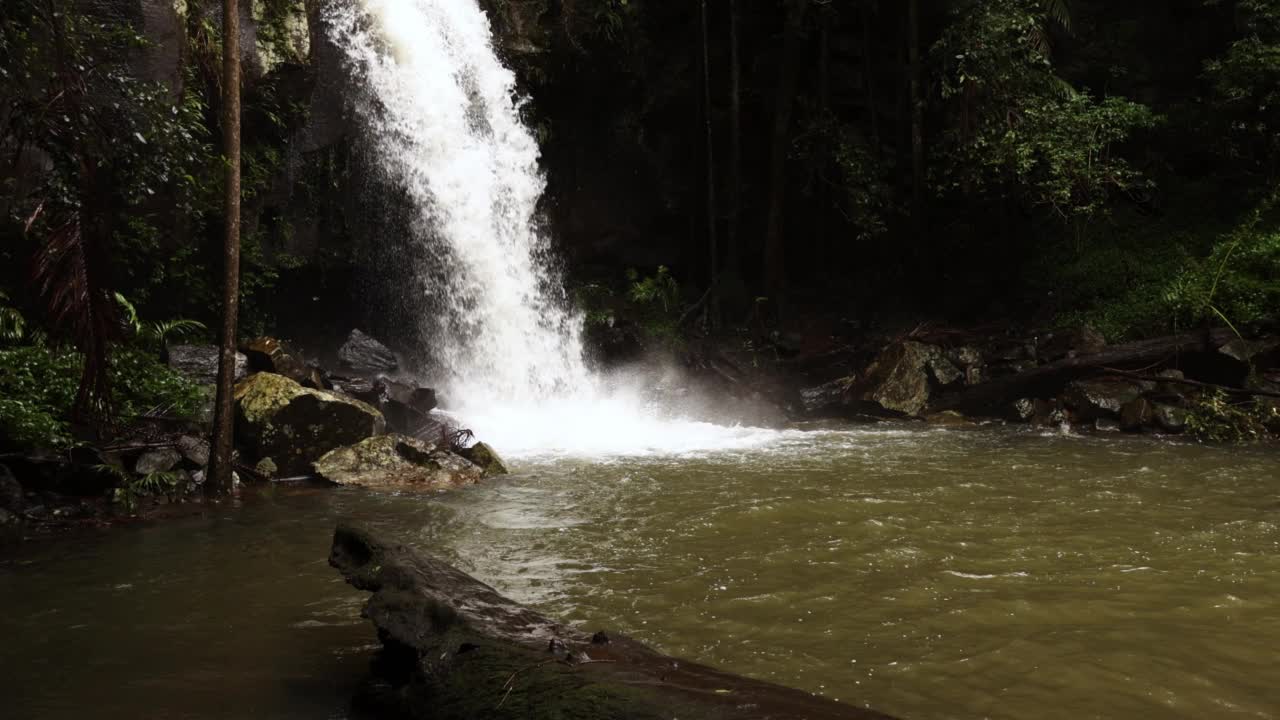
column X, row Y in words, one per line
column 454, row 648
column 994, row 396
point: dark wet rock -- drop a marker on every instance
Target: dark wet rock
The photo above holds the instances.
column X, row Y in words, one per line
column 406, row 407
column 1106, row 425
column 362, row 354
column 267, row 354
column 1170, row 418
column 195, row 450
column 1037, row 411
column 451, row 645
column 483, row 455
column 11, row 493
column 1024, row 409
column 941, row 369
column 362, row 389
column 1102, row 397
column 1136, row 415
column 826, row 398
column 1077, row 342
column 159, row 460
column 397, row 462
column 966, row 356
column 294, row 426
column 200, row 362
column 898, row 379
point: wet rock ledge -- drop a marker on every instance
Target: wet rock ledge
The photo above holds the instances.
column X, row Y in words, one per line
column 454, row 648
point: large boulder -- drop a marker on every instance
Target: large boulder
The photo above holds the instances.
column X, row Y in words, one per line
column 200, row 362
column 899, row 380
column 362, row 354
column 279, row 419
column 397, row 462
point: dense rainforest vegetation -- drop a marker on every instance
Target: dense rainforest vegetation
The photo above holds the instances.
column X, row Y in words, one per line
column 1040, row 163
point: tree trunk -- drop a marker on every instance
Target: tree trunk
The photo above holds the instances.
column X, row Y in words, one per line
column 733, row 257
column 775, row 271
column 917, row 111
column 219, row 480
column 713, row 251
column 454, row 648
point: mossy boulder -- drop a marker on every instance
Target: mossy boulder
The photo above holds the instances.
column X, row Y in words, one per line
column 397, row 462
column 294, row 426
column 487, row 458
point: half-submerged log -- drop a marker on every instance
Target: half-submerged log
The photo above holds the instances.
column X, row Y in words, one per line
column 994, row 397
column 455, row 648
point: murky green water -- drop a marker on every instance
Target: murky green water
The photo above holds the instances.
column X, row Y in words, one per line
column 930, row 574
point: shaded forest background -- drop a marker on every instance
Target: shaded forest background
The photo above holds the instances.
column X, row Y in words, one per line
column 815, row 164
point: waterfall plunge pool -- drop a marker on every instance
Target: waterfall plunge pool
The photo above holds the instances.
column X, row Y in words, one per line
column 928, row 573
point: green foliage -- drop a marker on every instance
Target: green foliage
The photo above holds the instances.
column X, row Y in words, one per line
column 13, row 326
column 156, row 334
column 1018, row 128
column 38, row 387
column 659, row 290
column 1216, row 419
column 1246, row 86
column 131, row 488
column 837, row 156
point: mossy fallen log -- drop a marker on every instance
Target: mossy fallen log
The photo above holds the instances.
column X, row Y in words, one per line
column 455, row 648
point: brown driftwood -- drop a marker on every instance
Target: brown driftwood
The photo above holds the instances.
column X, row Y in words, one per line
column 993, row 397
column 1244, row 392
column 455, row 648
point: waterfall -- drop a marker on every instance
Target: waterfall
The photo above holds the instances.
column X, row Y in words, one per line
column 441, row 118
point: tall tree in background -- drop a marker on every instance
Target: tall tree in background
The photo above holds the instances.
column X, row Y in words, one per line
column 916, row 98
column 712, row 246
column 775, row 272
column 220, row 461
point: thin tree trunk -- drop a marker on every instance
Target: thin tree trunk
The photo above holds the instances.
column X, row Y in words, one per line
column 917, row 111
column 823, row 189
column 775, row 271
column 712, row 249
column 869, row 71
column 733, row 257
column 219, row 479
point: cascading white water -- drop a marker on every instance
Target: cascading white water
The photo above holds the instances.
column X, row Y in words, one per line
column 443, row 120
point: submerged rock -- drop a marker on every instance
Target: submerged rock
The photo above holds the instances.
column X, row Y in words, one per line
column 294, row 426
column 397, row 462
column 363, row 354
column 200, row 362
column 483, row 455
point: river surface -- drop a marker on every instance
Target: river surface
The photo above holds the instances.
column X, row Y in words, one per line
column 926, row 573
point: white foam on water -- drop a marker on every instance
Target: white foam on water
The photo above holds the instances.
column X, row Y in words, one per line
column 442, row 118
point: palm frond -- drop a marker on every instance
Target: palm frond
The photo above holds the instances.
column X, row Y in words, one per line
column 13, row 326
column 1060, row 12
column 68, row 273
